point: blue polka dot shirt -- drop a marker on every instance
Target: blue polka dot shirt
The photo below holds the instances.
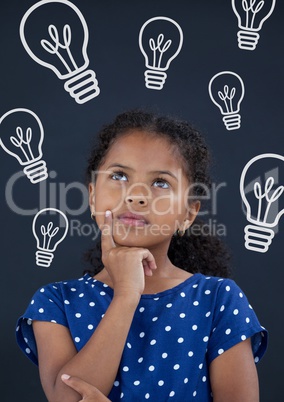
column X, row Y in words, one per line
column 174, row 336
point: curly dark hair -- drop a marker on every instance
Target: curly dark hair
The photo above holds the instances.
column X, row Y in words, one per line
column 195, row 251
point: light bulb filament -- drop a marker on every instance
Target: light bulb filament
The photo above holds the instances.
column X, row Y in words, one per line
column 46, row 232
column 266, row 194
column 157, row 46
column 249, row 7
column 18, row 142
column 226, row 96
column 54, row 48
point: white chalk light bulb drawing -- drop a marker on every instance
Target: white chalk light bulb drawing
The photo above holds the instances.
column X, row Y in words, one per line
column 262, row 210
column 21, row 136
column 251, row 15
column 50, row 227
column 226, row 90
column 159, row 51
column 81, row 82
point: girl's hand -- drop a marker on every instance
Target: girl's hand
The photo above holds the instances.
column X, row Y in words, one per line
column 126, row 266
column 88, row 392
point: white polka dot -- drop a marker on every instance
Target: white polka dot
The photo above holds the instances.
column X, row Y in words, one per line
column 151, row 368
column 102, row 293
column 200, row 365
column 32, row 302
column 250, row 307
column 90, row 326
column 41, row 310
column 81, row 295
column 241, row 295
column 28, row 350
column 256, row 359
column 194, row 393
column 220, row 351
column 77, row 339
column 78, row 315
column 160, row 383
column 236, row 312
column 116, row 383
column 164, row 355
column 172, row 393
column 190, row 354
column 154, row 318
column 128, row 345
column 182, row 294
column 25, row 339
column 141, row 309
column 140, row 360
column 169, row 305
column 125, row 368
column 176, row 366
column 142, row 334
column 207, row 292
column 205, row 339
column 195, row 286
column 180, row 340
column 42, row 290
column 91, row 304
column 66, row 301
column 194, row 327
column 136, row 382
column 156, row 298
column 247, row 320
column 153, row 341
column 243, row 337
column 182, row 315
column 147, row 396
column 73, row 290
column 55, row 322
column 121, row 395
column 185, row 380
column 195, row 303
column 222, row 308
column 204, row 378
column 208, row 314
column 168, row 328
column 228, row 288
column 228, row 331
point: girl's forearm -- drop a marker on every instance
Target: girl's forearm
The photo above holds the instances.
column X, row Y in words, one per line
column 98, row 361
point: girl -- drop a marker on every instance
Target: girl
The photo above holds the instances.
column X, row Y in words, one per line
column 158, row 319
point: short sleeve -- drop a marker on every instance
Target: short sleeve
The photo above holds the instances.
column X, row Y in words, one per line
column 234, row 321
column 47, row 304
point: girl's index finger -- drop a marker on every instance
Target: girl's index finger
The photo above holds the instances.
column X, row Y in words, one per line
column 107, row 238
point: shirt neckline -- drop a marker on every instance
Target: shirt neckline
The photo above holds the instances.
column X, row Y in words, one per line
column 166, row 292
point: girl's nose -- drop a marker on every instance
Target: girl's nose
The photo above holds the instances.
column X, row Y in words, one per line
column 136, row 200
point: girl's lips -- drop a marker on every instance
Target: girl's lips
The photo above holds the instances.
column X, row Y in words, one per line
column 132, row 219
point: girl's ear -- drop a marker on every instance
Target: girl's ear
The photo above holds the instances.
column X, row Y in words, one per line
column 92, row 196
column 193, row 210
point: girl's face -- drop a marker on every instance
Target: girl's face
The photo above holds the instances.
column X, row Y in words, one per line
column 142, row 182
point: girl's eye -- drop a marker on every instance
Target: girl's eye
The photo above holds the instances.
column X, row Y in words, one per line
column 118, row 176
column 161, row 183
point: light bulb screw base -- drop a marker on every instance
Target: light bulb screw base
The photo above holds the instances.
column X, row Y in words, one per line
column 232, row 121
column 44, row 258
column 36, row 171
column 155, row 79
column 247, row 39
column 258, row 238
column 83, row 86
